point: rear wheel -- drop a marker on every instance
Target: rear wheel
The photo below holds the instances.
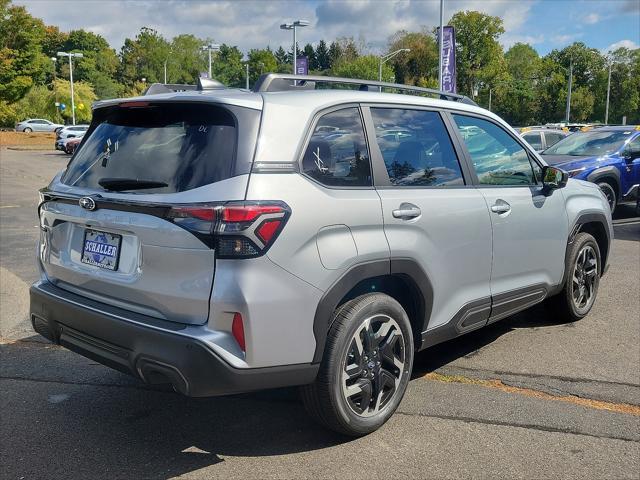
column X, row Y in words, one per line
column 365, row 368
column 610, row 193
column 583, row 278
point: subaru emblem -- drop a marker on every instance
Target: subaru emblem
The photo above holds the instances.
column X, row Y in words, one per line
column 87, row 203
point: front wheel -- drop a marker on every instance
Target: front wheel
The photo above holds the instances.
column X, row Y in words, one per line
column 610, row 193
column 27, row 130
column 366, row 366
column 583, row 278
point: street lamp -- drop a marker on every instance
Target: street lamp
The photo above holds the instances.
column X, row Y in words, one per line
column 293, row 26
column 71, row 55
column 385, row 58
column 606, row 110
column 213, row 47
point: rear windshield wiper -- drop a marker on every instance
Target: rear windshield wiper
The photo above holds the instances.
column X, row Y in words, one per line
column 120, row 184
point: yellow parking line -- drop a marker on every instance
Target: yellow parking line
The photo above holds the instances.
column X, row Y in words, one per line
column 9, row 206
column 529, row 392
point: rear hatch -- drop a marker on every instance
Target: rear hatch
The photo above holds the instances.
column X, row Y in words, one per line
column 129, row 222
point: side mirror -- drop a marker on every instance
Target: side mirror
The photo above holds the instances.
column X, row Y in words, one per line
column 630, row 155
column 553, row 178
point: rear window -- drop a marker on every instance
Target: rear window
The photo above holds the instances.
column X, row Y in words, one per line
column 184, row 146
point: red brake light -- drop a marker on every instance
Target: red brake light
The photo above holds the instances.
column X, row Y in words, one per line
column 237, row 329
column 267, row 230
column 233, row 229
column 247, row 213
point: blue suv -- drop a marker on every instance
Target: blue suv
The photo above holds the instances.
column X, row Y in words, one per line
column 607, row 156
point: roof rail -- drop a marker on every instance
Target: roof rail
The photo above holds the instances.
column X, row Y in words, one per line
column 203, row 84
column 278, row 82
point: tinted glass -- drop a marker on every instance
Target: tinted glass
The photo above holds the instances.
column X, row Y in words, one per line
column 416, row 148
column 184, row 146
column 552, row 138
column 497, row 158
column 337, row 154
column 633, row 147
column 533, row 139
column 596, row 142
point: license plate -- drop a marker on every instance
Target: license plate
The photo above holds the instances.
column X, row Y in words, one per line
column 101, row 249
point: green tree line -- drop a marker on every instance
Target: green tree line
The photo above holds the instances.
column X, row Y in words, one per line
column 524, row 87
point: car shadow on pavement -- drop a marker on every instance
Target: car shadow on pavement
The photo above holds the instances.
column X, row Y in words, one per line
column 469, row 344
column 86, row 415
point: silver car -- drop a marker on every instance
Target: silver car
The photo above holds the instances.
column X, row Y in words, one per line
column 37, row 125
column 542, row 138
column 71, row 131
column 225, row 240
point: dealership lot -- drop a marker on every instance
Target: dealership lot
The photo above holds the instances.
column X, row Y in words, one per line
column 526, row 397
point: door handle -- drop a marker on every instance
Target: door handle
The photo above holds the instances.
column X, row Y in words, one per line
column 407, row 211
column 500, row 207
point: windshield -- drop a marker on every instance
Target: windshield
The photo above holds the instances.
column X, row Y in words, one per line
column 589, row 143
column 174, row 146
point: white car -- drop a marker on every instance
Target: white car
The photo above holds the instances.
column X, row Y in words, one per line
column 71, row 131
column 37, row 125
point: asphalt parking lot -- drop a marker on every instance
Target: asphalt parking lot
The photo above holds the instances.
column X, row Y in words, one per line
column 528, row 397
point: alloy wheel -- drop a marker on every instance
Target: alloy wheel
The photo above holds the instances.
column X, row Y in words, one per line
column 585, row 278
column 373, row 365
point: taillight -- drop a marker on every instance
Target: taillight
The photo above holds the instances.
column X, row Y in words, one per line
column 237, row 330
column 234, row 229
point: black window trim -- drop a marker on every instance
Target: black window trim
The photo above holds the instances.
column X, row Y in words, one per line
column 381, row 176
column 476, row 182
column 307, row 138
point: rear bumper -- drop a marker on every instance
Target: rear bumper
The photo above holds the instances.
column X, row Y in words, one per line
column 153, row 350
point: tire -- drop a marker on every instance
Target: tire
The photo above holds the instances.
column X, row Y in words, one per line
column 338, row 401
column 569, row 302
column 27, row 130
column 610, row 193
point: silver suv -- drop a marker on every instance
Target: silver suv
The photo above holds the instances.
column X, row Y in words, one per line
column 224, row 240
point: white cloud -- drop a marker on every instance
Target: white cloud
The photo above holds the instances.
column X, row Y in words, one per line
column 591, row 18
column 630, row 44
column 253, row 24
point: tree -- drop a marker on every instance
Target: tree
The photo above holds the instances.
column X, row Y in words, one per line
column 364, row 67
column 185, row 60
column 478, row 54
column 335, row 52
column 261, row 61
column 143, row 57
column 83, row 95
column 420, row 64
column 281, row 55
column 322, row 56
column 228, row 67
column 22, row 63
column 310, row 53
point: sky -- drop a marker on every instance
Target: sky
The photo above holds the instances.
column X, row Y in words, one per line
column 545, row 24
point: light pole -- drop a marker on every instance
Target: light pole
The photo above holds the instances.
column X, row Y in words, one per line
column 71, row 55
column 385, row 58
column 440, row 37
column 606, row 110
column 165, row 70
column 293, row 26
column 568, row 112
column 213, row 47
column 490, row 90
column 55, row 92
column 247, row 67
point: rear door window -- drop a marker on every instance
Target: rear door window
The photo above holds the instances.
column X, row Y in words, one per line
column 534, row 139
column 337, row 154
column 416, row 148
column 182, row 146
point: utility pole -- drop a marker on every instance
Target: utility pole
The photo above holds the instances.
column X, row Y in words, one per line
column 440, row 38
column 568, row 112
column 606, row 110
column 71, row 55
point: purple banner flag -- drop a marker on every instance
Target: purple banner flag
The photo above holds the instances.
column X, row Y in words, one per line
column 449, row 60
column 302, row 66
